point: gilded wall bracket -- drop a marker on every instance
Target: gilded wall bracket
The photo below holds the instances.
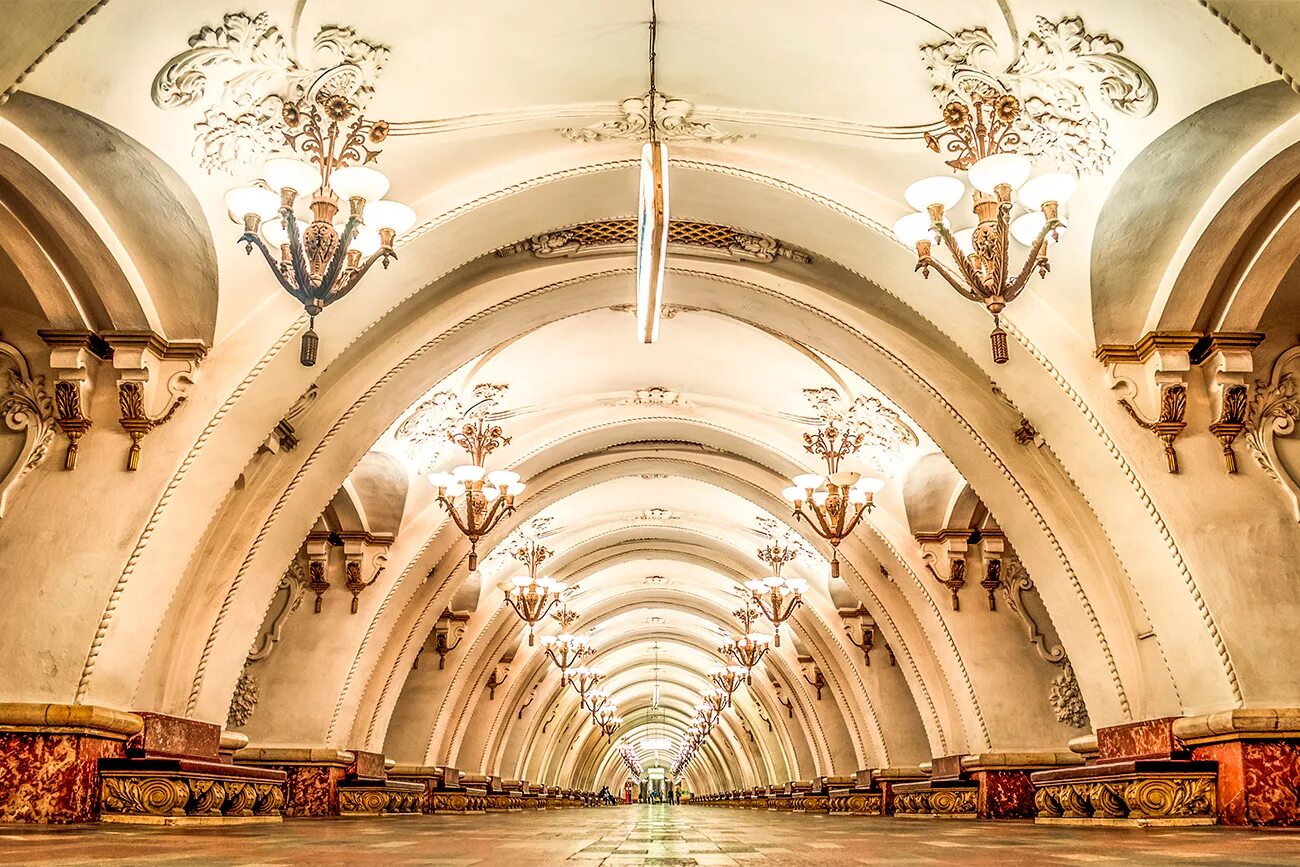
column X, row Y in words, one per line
column 951, row 546
column 154, row 378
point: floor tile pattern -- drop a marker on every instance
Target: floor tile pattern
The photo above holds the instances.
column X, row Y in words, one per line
column 662, row 836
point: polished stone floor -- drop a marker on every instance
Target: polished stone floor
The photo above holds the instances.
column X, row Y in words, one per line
column 651, row 835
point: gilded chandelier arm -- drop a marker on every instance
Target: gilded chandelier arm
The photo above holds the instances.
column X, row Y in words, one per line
column 300, row 267
column 330, row 277
column 1004, row 239
column 252, row 238
column 1037, row 252
column 968, row 273
column 455, row 517
column 954, row 282
column 347, row 286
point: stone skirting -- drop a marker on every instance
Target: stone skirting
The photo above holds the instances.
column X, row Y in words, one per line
column 181, row 792
column 380, row 798
column 926, row 799
column 1137, row 792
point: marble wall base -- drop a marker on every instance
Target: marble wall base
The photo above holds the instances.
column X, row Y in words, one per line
column 1258, row 754
column 52, row 778
column 1004, row 795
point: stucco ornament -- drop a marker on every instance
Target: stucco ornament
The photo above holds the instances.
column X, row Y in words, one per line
column 1067, row 698
column 27, row 408
column 258, row 72
column 424, row 432
column 1274, row 412
column 244, row 701
column 1063, row 75
column 674, row 119
column 886, row 436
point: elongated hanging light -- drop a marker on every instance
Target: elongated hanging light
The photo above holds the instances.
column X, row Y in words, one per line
column 652, row 215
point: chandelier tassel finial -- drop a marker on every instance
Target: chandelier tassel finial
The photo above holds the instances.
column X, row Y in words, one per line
column 310, row 344
column 999, row 340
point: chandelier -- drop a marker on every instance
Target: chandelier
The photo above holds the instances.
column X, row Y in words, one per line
column 749, row 649
column 716, row 701
column 777, row 597
column 631, row 758
column 475, row 499
column 532, row 597
column 982, row 138
column 323, row 261
column 564, row 651
column 595, row 700
column 728, row 678
column 584, row 680
column 608, row 720
column 836, row 501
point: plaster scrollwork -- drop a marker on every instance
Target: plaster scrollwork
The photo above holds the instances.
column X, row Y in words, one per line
column 288, row 597
column 259, row 73
column 1274, row 411
column 1015, row 584
column 26, row 407
column 1063, row 74
column 886, row 436
column 674, row 121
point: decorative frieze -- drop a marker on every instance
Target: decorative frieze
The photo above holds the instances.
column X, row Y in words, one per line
column 674, row 121
column 163, row 799
column 1183, row 799
column 685, row 237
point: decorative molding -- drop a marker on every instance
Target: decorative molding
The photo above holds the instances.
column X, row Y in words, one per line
column 685, row 237
column 25, row 407
column 1062, row 74
column 243, row 125
column 1273, row 412
column 284, row 437
column 1147, row 346
column 675, row 120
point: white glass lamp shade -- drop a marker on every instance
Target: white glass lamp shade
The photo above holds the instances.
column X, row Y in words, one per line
column 283, row 173
column 547, row 640
column 275, row 233
column 1010, row 169
column 469, row 472
column 913, row 228
column 965, row 239
column 455, row 489
column 737, row 670
column 366, row 240
column 260, row 201
column 942, row 190
column 857, row 496
column 442, row 480
column 773, row 581
column 808, row 481
column 760, row 638
column 490, row 493
column 820, row 497
column 385, row 214
column 1026, row 227
column 503, row 478
column 871, row 484
column 796, row 585
column 793, row 493
column 1052, row 187
column 358, row 182
column 522, row 580
column 754, row 585
column 844, row 478
column 515, row 490
column 558, row 587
